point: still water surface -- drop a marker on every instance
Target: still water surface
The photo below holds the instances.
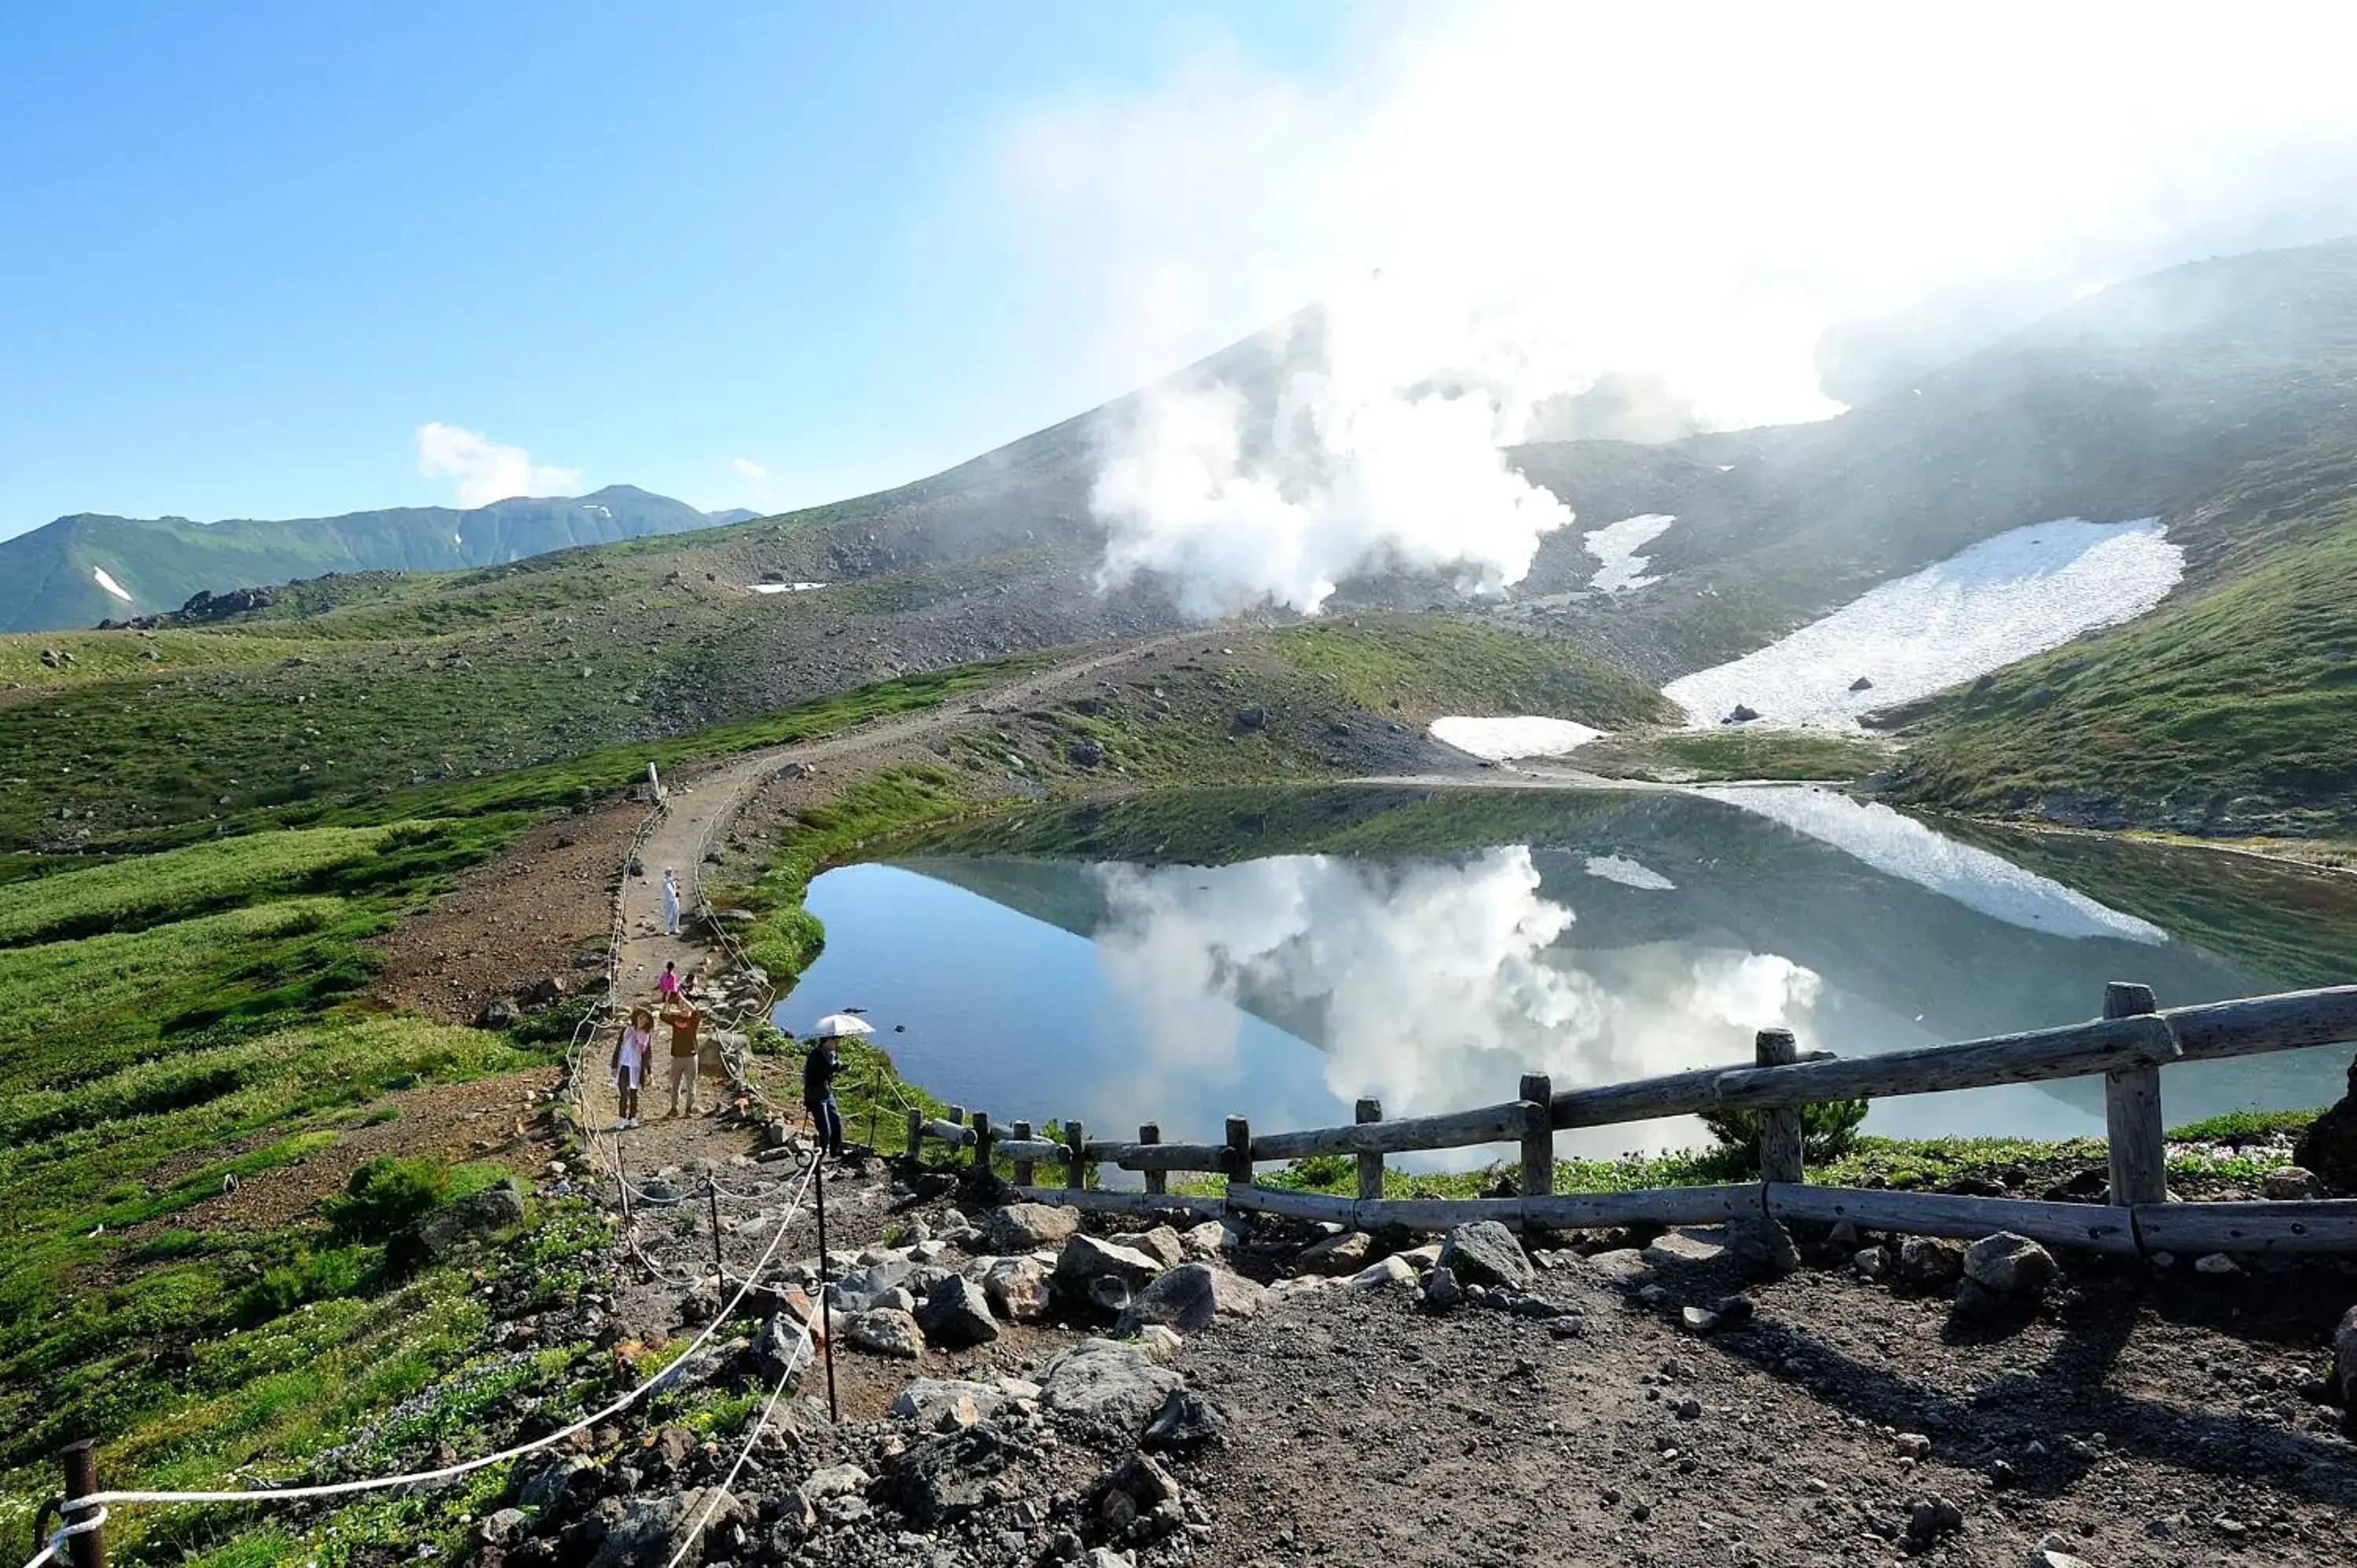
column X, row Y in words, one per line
column 1178, row 960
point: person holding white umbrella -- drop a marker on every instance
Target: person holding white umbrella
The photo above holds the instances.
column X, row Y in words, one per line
column 818, row 1076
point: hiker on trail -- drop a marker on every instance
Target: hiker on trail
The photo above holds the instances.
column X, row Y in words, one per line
column 670, row 902
column 630, row 1054
column 682, row 1017
column 667, row 987
column 818, row 1093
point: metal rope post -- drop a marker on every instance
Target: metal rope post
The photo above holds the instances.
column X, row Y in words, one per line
column 80, row 1463
column 826, row 1318
column 712, row 1190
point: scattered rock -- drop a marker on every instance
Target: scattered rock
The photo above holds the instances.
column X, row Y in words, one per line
column 1088, row 1264
column 1252, row 718
column 2344, row 1359
column 1206, row 1241
column 1930, row 1262
column 486, row 1213
column 1162, row 1244
column 1017, row 1289
column 2290, row 1184
column 887, row 1331
column 944, row 1480
column 1484, row 1253
column 926, row 1400
column 1342, row 1255
column 2009, row 1265
column 1085, row 754
column 956, row 1314
column 1861, row 684
column 1392, row 1271
column 652, row 1531
column 1028, row 1227
column 1106, row 1381
column 2216, row 1263
column 1185, row 1423
column 1441, row 1290
column 502, row 1529
column 1741, row 714
column 2328, row 1146
column 1685, row 1248
column 1188, row 1297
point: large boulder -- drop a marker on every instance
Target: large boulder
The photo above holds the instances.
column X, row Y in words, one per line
column 1107, row 1383
column 1017, row 1289
column 2329, row 1147
column 956, row 1316
column 1486, row 1253
column 1162, row 1244
column 652, row 1531
column 1101, row 1274
column 1028, row 1227
column 1189, row 1298
column 489, row 1212
column 2005, row 1264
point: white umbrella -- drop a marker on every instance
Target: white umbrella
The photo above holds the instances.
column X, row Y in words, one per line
column 840, row 1026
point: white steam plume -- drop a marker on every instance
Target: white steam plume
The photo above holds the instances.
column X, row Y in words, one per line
column 1556, row 194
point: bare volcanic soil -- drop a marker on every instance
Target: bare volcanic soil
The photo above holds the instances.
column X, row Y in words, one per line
column 2128, row 1422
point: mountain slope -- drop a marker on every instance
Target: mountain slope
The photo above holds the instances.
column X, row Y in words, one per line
column 50, row 577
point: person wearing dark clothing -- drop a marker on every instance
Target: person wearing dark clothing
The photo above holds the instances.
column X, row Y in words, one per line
column 818, row 1094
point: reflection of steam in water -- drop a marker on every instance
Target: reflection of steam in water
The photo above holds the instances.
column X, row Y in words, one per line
column 1431, row 986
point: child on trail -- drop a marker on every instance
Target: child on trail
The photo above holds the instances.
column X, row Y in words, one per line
column 818, row 1094
column 630, row 1054
column 667, row 988
column 682, row 1017
column 670, row 903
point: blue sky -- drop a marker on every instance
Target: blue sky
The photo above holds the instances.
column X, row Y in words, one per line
column 246, row 251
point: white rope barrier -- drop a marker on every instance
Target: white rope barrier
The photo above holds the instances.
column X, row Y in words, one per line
column 103, row 1499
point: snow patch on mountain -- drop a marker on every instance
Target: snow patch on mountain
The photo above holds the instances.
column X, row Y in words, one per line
column 2022, row 592
column 1616, row 544
column 1501, row 740
column 106, row 580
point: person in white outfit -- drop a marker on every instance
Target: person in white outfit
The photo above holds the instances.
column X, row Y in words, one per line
column 670, row 903
column 630, row 1054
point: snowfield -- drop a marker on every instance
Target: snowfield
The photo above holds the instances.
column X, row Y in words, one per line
column 2025, row 591
column 1616, row 544
column 1501, row 740
column 1903, row 847
column 1628, row 873
column 105, row 579
column 785, row 587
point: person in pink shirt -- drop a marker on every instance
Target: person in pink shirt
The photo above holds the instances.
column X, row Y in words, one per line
column 668, row 986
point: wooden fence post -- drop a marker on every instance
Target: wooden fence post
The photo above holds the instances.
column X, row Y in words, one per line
column 2131, row 1117
column 1538, row 1141
column 1155, row 1181
column 1022, row 1167
column 981, row 1136
column 81, row 1462
column 916, row 1135
column 1076, row 1164
column 1370, row 1167
column 1240, row 1160
column 1780, row 1127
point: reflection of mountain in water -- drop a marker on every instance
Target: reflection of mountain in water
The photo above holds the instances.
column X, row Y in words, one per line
column 1925, row 965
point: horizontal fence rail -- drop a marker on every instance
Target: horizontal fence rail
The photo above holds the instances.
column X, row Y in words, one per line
column 2128, row 1046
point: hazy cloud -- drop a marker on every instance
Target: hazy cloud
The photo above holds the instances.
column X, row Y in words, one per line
column 749, row 469
column 1556, row 194
column 487, row 470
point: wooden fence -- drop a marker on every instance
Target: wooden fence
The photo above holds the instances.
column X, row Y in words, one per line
column 2129, row 1046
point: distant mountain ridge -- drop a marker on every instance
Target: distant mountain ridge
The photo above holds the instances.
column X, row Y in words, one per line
column 89, row 568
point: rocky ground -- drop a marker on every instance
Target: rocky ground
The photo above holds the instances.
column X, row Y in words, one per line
column 1019, row 1385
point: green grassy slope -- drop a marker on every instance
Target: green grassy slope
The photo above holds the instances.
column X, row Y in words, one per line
column 2229, row 710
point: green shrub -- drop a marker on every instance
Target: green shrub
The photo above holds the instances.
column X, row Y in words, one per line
column 307, row 1276
column 1314, row 1172
column 386, row 1198
column 1828, row 1130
